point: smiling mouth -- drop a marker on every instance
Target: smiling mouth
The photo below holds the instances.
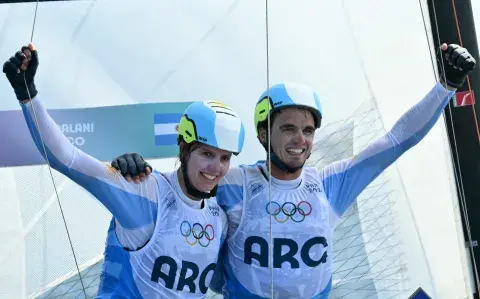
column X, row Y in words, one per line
column 208, row 176
column 295, row 151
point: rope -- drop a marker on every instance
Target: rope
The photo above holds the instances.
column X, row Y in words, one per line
column 468, row 78
column 458, row 177
column 269, row 149
column 48, row 162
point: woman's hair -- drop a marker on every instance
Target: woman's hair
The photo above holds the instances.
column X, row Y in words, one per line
column 185, row 150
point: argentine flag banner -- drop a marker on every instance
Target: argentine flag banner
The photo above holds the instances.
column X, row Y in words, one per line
column 166, row 128
column 102, row 132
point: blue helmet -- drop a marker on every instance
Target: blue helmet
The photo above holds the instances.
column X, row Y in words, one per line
column 212, row 123
column 285, row 95
column 281, row 96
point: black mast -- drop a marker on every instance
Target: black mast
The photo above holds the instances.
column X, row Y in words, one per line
column 452, row 22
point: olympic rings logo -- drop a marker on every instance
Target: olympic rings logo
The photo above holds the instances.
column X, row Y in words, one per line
column 197, row 233
column 289, row 210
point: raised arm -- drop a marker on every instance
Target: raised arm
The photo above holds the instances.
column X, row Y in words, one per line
column 132, row 205
column 346, row 179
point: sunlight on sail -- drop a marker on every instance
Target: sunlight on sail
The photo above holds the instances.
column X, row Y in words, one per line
column 127, row 60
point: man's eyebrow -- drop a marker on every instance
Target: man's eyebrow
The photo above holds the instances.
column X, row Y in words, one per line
column 285, row 126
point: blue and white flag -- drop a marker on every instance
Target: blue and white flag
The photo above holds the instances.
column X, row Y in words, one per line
column 103, row 132
column 166, row 128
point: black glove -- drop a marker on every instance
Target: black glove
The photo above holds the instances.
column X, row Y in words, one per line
column 458, row 63
column 28, row 60
column 131, row 165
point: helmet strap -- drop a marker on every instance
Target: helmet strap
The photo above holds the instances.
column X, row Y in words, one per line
column 282, row 166
column 191, row 190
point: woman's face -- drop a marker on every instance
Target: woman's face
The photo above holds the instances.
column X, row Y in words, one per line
column 206, row 166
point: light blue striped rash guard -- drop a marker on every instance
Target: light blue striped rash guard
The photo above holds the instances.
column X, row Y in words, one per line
column 304, row 215
column 157, row 246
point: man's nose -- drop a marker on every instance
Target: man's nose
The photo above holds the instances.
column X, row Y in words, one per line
column 300, row 138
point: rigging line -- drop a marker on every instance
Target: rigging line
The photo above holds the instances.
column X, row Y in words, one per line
column 455, row 158
column 346, row 217
column 458, row 177
column 48, row 162
column 475, row 120
column 364, row 200
column 269, row 149
column 171, row 72
column 349, row 244
column 331, row 152
column 435, row 75
column 34, row 21
column 464, row 204
column 367, row 256
column 320, row 142
column 367, row 288
column 375, row 277
column 432, row 59
column 408, row 201
column 390, row 267
column 364, row 216
column 342, row 139
column 385, row 289
column 386, row 247
column 335, row 139
column 383, row 217
column 370, row 229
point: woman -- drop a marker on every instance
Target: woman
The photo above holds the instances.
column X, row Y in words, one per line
column 165, row 235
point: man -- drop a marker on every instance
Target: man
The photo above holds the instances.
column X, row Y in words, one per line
column 304, row 206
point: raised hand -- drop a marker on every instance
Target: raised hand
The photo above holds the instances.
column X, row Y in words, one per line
column 458, row 63
column 20, row 70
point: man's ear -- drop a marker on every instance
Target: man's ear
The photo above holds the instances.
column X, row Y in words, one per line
column 262, row 135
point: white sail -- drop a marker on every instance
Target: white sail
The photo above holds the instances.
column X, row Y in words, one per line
column 354, row 53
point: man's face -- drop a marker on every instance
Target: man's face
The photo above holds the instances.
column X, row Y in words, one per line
column 292, row 134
